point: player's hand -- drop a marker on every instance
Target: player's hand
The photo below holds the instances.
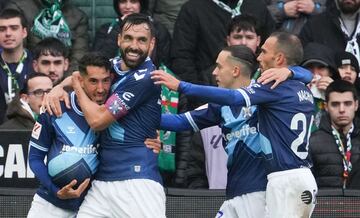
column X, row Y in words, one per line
column 76, row 80
column 274, row 74
column 154, row 144
column 51, row 101
column 68, row 191
column 324, row 82
column 160, row 77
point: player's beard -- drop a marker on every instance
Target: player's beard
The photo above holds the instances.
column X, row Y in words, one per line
column 133, row 63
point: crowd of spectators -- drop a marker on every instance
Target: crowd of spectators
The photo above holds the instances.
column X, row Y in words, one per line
column 41, row 42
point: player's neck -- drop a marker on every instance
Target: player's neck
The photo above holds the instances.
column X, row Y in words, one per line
column 12, row 55
column 241, row 82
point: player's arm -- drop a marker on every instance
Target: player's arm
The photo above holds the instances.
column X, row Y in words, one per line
column 202, row 117
column 206, row 93
column 37, row 165
column 97, row 116
column 279, row 75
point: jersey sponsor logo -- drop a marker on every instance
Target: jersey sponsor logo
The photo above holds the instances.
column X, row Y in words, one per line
column 245, row 131
column 305, row 96
column 127, row 96
column 138, row 77
column 87, row 149
column 36, row 131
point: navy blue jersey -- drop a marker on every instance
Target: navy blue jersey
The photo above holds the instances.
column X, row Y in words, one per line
column 62, row 140
column 135, row 104
column 285, row 115
column 246, row 172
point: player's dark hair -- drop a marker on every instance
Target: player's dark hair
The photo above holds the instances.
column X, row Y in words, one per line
column 13, row 13
column 136, row 19
column 245, row 56
column 32, row 75
column 245, row 22
column 93, row 59
column 340, row 86
column 290, row 45
column 50, row 46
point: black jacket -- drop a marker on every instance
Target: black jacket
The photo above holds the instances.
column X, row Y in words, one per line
column 328, row 166
column 106, row 39
column 18, row 117
column 325, row 29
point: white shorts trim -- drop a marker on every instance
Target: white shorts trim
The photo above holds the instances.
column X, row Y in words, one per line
column 42, row 208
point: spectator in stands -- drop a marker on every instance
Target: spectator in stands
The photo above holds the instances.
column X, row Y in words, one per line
column 76, row 21
column 25, row 108
column 166, row 12
column 347, row 65
column 338, row 27
column 107, row 36
column 15, row 60
column 335, row 147
column 51, row 58
column 319, row 59
column 291, row 15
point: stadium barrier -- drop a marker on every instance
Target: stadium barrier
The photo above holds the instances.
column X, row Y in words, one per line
column 18, row 185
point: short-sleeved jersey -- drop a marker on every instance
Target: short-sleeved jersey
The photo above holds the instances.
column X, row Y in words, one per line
column 246, row 172
column 285, row 115
column 135, row 103
column 69, row 133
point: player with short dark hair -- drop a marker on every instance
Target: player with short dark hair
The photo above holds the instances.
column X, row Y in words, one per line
column 128, row 169
column 285, row 115
column 69, row 145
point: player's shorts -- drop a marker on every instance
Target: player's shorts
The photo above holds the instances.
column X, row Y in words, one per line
column 42, row 208
column 250, row 205
column 291, row 193
column 128, row 198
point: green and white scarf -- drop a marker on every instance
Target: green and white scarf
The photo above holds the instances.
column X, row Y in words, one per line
column 51, row 23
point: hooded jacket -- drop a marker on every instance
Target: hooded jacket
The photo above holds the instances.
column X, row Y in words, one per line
column 106, row 38
column 75, row 18
column 325, row 29
column 327, row 161
column 18, row 117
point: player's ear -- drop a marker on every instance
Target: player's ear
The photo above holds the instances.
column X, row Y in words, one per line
column 152, row 45
column 119, row 40
column 236, row 71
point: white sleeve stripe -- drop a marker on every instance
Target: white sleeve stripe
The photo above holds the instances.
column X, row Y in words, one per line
column 246, row 97
column 192, row 122
column 38, row 147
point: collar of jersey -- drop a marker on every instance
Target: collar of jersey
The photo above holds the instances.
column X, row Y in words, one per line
column 74, row 105
column 117, row 67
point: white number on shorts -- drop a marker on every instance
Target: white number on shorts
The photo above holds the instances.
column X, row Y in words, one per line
column 295, row 123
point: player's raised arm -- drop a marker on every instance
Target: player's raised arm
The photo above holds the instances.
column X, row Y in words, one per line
column 207, row 93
